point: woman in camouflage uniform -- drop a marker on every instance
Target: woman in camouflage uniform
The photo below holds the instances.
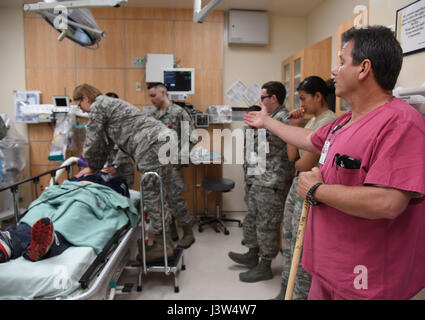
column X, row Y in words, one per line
column 114, row 121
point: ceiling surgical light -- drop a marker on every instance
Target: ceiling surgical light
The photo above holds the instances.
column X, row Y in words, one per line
column 72, row 18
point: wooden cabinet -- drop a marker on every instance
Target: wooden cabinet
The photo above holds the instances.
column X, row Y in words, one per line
column 314, row 60
column 341, row 106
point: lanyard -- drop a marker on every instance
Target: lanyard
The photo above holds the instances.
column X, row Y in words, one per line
column 327, row 145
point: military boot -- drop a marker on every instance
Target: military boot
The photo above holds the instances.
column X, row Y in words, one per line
column 188, row 237
column 155, row 252
column 249, row 259
column 261, row 271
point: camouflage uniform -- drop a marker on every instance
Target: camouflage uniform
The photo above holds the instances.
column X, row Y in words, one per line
column 266, row 195
column 172, row 117
column 291, row 220
column 3, row 130
column 122, row 164
column 114, row 121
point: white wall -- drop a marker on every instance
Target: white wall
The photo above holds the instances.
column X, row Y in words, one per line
column 252, row 64
column 261, row 64
column 12, row 62
column 384, row 12
column 12, row 71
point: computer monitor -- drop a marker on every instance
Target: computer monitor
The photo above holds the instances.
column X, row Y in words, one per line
column 179, row 81
column 61, row 101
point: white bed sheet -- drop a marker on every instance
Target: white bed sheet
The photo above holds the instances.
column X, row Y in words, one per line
column 45, row 279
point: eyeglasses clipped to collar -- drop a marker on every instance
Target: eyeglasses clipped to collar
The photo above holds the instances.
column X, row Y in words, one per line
column 265, row 97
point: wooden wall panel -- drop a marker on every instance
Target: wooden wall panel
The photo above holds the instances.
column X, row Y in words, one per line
column 187, row 14
column 103, row 79
column 108, row 13
column 44, row 181
column 39, row 153
column 42, row 48
column 199, row 45
column 110, row 53
column 51, row 81
column 133, row 96
column 40, row 131
column 149, row 13
column 208, row 88
column 146, row 36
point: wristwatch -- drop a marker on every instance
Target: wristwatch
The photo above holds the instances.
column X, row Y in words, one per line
column 310, row 198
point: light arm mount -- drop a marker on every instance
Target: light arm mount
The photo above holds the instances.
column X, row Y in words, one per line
column 199, row 13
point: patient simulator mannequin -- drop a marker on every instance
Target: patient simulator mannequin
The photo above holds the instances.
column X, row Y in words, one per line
column 40, row 240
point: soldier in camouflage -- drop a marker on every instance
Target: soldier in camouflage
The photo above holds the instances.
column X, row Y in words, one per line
column 118, row 163
column 114, row 121
column 175, row 117
column 267, row 190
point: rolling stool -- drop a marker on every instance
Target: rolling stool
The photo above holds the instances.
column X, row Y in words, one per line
column 217, row 185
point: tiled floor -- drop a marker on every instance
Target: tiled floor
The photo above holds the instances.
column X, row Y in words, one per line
column 210, row 274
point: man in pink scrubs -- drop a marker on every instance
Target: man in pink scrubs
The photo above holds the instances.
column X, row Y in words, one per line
column 365, row 233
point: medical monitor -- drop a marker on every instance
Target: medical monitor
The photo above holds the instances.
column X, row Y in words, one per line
column 61, row 101
column 179, row 81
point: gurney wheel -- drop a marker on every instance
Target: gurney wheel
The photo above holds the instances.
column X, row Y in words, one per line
column 139, row 288
column 240, row 224
column 176, row 289
column 226, row 232
column 200, row 229
column 183, row 267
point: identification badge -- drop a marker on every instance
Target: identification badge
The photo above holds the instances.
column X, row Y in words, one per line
column 324, row 152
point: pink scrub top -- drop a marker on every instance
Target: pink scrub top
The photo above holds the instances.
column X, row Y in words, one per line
column 371, row 259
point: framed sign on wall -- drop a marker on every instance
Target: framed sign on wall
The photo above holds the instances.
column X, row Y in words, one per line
column 410, row 27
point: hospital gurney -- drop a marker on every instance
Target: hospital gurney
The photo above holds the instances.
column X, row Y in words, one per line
column 166, row 266
column 78, row 273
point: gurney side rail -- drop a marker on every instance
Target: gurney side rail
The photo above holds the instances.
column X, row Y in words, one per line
column 35, row 180
column 100, row 259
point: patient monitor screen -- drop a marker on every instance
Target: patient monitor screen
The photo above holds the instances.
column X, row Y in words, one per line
column 60, row 101
column 178, row 80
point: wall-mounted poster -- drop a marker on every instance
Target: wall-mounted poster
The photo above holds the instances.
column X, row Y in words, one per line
column 410, row 27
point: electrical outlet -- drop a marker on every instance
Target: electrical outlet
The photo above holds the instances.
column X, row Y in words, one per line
column 138, row 86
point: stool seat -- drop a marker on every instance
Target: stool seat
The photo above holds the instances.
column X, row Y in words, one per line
column 218, row 184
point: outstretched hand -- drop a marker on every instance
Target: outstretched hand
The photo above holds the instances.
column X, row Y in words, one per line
column 109, row 170
column 85, row 172
column 256, row 119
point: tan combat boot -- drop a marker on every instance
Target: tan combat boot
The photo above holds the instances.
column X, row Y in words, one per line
column 155, row 252
column 188, row 237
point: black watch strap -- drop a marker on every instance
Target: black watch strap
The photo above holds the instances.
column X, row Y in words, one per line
column 310, row 198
